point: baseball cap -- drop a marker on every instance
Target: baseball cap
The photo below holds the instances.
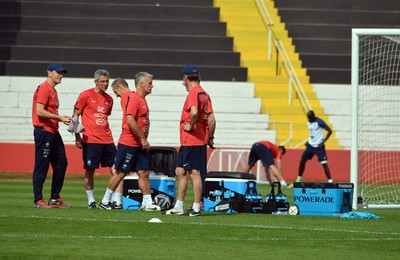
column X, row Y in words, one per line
column 191, row 69
column 57, row 67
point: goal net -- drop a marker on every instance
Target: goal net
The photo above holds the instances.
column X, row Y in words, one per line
column 375, row 149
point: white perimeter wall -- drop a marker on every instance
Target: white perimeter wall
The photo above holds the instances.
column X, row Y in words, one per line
column 239, row 122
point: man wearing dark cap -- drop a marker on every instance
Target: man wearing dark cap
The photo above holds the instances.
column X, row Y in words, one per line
column 49, row 146
column 193, row 124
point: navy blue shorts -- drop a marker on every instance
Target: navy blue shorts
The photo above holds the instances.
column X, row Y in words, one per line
column 310, row 151
column 190, row 157
column 131, row 159
column 260, row 152
column 98, row 154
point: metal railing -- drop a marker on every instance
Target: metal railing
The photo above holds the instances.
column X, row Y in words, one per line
column 294, row 81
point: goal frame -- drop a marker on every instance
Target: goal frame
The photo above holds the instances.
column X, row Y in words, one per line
column 356, row 33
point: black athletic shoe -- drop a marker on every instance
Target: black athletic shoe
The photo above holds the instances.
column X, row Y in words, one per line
column 105, row 206
column 93, row 205
column 115, row 206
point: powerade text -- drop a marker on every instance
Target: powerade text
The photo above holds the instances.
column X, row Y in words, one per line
column 314, row 199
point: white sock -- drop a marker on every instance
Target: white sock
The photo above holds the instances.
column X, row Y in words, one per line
column 283, row 183
column 299, row 178
column 147, row 201
column 330, row 181
column 196, row 207
column 117, row 198
column 107, row 196
column 90, row 196
column 179, row 205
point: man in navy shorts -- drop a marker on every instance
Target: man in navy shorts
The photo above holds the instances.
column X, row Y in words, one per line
column 315, row 145
column 94, row 106
column 193, row 124
column 133, row 146
column 271, row 158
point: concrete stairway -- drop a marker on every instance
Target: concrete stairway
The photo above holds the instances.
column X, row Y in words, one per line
column 250, row 35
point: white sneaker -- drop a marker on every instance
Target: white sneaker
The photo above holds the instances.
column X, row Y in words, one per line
column 174, row 212
column 152, row 208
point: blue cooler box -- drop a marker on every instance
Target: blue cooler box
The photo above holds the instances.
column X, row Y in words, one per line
column 227, row 191
column 323, row 199
column 132, row 195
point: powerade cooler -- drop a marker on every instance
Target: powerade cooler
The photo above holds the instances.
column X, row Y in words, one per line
column 228, row 192
column 323, row 199
column 132, row 195
column 162, row 181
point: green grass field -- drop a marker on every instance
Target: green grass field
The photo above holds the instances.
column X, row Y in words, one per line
column 80, row 233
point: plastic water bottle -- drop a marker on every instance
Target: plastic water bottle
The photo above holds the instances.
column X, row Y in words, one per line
column 248, row 198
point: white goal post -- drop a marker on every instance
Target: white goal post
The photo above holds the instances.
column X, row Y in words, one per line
column 375, row 138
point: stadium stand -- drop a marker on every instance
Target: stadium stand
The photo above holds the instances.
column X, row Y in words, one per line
column 279, row 98
column 336, row 101
column 321, row 32
column 124, row 36
column 161, row 38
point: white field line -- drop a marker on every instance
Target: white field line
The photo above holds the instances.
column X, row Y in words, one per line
column 164, row 221
column 179, row 238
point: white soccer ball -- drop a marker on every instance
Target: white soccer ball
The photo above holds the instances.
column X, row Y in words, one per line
column 163, row 201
